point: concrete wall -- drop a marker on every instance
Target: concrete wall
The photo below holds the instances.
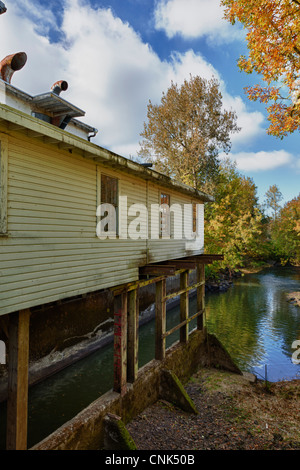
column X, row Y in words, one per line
column 86, row 430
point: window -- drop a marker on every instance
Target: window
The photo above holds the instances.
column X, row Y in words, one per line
column 109, row 210
column 165, row 225
column 3, row 185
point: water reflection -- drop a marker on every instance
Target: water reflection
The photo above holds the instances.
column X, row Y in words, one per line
column 252, row 319
column 257, row 325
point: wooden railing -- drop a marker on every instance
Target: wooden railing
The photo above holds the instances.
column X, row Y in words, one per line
column 127, row 318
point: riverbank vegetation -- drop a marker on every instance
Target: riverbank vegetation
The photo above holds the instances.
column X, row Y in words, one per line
column 241, row 228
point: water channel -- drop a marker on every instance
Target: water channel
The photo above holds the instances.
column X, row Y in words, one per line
column 253, row 320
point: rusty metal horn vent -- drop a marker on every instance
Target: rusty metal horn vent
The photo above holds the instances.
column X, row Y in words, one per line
column 11, row 64
column 3, row 8
column 59, row 86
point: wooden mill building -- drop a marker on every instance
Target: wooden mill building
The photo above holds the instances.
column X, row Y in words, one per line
column 53, row 180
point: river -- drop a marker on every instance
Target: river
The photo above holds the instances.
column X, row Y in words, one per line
column 253, row 320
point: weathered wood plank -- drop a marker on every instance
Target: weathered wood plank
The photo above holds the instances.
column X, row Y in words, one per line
column 132, row 338
column 201, row 295
column 17, row 403
column 177, row 327
column 184, row 307
column 181, row 291
column 205, row 258
column 120, row 343
column 158, row 270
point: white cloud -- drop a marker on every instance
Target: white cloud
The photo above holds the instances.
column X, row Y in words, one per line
column 262, row 161
column 194, row 19
column 251, row 123
column 111, row 72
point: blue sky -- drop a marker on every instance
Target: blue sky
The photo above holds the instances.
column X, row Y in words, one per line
column 118, row 54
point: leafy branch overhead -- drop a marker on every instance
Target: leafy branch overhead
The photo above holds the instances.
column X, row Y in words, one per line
column 273, row 28
column 185, row 132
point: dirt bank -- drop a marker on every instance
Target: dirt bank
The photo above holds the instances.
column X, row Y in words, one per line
column 233, row 414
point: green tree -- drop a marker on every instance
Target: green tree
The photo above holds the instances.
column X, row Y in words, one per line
column 234, row 221
column 186, row 131
column 273, row 198
column 285, row 233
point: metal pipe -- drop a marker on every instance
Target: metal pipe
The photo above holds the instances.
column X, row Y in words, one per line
column 59, row 86
column 92, row 135
column 11, row 64
column 3, row 8
column 147, row 165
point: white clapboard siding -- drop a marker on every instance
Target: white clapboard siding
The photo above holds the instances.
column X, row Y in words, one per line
column 52, row 251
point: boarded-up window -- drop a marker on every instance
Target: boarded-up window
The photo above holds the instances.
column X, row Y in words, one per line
column 165, row 223
column 3, row 185
column 110, row 195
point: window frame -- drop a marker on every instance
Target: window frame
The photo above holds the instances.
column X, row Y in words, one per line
column 166, row 214
column 195, row 218
column 100, row 175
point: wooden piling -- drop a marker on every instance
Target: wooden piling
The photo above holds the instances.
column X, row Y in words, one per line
column 160, row 320
column 201, row 295
column 17, row 402
column 132, row 337
column 184, row 307
column 120, row 342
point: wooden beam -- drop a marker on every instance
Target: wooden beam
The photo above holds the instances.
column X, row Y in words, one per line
column 182, row 264
column 134, row 285
column 160, row 320
column 17, row 403
column 181, row 291
column 158, row 269
column 50, row 140
column 200, row 295
column 184, row 307
column 132, row 337
column 177, row 327
column 34, row 134
column 120, row 343
column 205, row 258
column 65, row 146
column 15, row 127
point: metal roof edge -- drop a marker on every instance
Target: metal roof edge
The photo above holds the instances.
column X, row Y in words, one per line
column 93, row 151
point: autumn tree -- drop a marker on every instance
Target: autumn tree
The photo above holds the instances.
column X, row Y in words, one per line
column 186, row 131
column 273, row 198
column 273, row 41
column 234, row 221
column 285, row 233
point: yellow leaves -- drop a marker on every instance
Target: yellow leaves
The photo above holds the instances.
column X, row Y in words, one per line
column 274, row 52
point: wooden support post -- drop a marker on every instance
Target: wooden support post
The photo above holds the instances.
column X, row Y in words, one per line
column 160, row 320
column 133, row 335
column 200, row 295
column 184, row 307
column 120, row 343
column 18, row 359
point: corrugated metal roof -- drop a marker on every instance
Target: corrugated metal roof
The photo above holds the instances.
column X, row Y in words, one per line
column 53, row 105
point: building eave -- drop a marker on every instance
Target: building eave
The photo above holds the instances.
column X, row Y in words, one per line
column 33, row 127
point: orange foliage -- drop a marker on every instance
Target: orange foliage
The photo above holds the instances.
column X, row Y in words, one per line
column 273, row 37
